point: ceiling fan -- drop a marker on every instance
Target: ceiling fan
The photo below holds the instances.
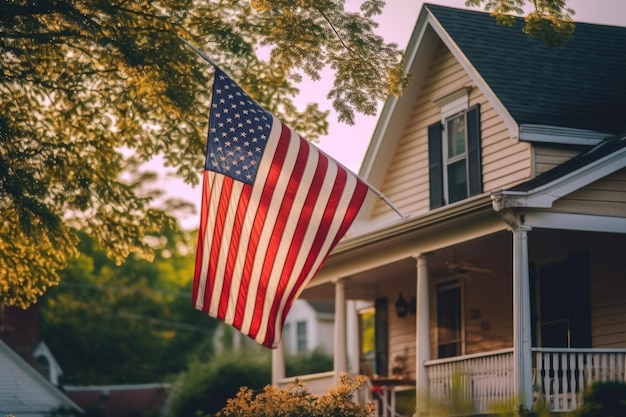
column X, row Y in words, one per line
column 461, row 267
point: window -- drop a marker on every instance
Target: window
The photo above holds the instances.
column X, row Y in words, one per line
column 564, row 318
column 449, row 321
column 454, row 158
column 301, row 337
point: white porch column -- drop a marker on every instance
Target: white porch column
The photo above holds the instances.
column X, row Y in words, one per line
column 352, row 320
column 522, row 342
column 278, row 363
column 341, row 347
column 422, row 333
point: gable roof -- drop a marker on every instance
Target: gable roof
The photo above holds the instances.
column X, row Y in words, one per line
column 580, row 85
column 24, row 392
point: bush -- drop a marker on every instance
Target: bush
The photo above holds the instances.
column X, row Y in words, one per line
column 309, row 363
column 206, row 386
column 297, row 402
column 604, row 399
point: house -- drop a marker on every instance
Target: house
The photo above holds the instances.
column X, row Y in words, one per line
column 25, row 368
column 309, row 326
column 509, row 158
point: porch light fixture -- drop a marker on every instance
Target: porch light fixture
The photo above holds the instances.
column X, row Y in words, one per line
column 404, row 306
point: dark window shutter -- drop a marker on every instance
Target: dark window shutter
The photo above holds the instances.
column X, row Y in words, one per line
column 435, row 165
column 579, row 305
column 381, row 336
column 473, row 151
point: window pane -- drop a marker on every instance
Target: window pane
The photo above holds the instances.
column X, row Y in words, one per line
column 301, row 336
column 457, row 181
column 455, row 131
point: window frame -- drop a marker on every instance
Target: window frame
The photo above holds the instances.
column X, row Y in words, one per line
column 301, row 336
column 448, row 161
column 451, row 106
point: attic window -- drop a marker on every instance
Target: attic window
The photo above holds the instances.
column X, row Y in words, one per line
column 454, row 151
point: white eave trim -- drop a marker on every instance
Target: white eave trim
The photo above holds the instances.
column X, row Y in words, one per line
column 560, row 135
column 545, row 195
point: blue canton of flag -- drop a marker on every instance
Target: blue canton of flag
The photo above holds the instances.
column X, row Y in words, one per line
column 239, row 131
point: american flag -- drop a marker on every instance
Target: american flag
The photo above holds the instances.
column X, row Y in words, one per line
column 273, row 207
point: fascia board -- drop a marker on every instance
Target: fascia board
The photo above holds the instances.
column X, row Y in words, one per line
column 561, row 135
column 572, row 221
column 545, row 195
column 390, row 107
column 393, row 116
column 482, row 85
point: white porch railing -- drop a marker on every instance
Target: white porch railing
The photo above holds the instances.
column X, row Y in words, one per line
column 476, row 381
column 561, row 375
column 316, row 384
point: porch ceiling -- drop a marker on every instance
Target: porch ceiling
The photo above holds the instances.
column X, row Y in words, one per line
column 492, row 252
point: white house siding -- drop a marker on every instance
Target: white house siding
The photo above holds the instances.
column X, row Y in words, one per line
column 608, row 292
column 505, row 161
column 548, row 157
column 603, row 197
column 319, row 327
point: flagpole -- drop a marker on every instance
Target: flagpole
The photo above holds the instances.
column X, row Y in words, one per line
column 371, row 187
column 196, row 50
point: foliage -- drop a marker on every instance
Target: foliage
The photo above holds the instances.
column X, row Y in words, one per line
column 207, row 384
column 603, row 399
column 550, row 21
column 297, row 402
column 91, row 88
column 308, row 363
column 131, row 324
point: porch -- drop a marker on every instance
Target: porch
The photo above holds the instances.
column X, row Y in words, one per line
column 476, row 384
column 468, row 314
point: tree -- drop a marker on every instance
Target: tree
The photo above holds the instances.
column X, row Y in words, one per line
column 550, row 21
column 131, row 323
column 89, row 87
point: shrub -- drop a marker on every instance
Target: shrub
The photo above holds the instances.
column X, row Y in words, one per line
column 206, row 386
column 297, row 402
column 308, row 363
column 604, row 399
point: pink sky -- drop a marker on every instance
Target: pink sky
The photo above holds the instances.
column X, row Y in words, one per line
column 348, row 144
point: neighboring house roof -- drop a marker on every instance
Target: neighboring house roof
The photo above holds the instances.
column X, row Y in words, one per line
column 579, row 85
column 122, row 400
column 24, row 392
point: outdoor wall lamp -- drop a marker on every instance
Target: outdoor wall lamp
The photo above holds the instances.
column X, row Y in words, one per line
column 405, row 307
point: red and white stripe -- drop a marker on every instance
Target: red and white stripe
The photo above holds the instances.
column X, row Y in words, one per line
column 259, row 245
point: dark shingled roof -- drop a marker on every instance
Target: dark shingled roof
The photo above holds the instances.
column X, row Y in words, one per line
column 580, row 85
